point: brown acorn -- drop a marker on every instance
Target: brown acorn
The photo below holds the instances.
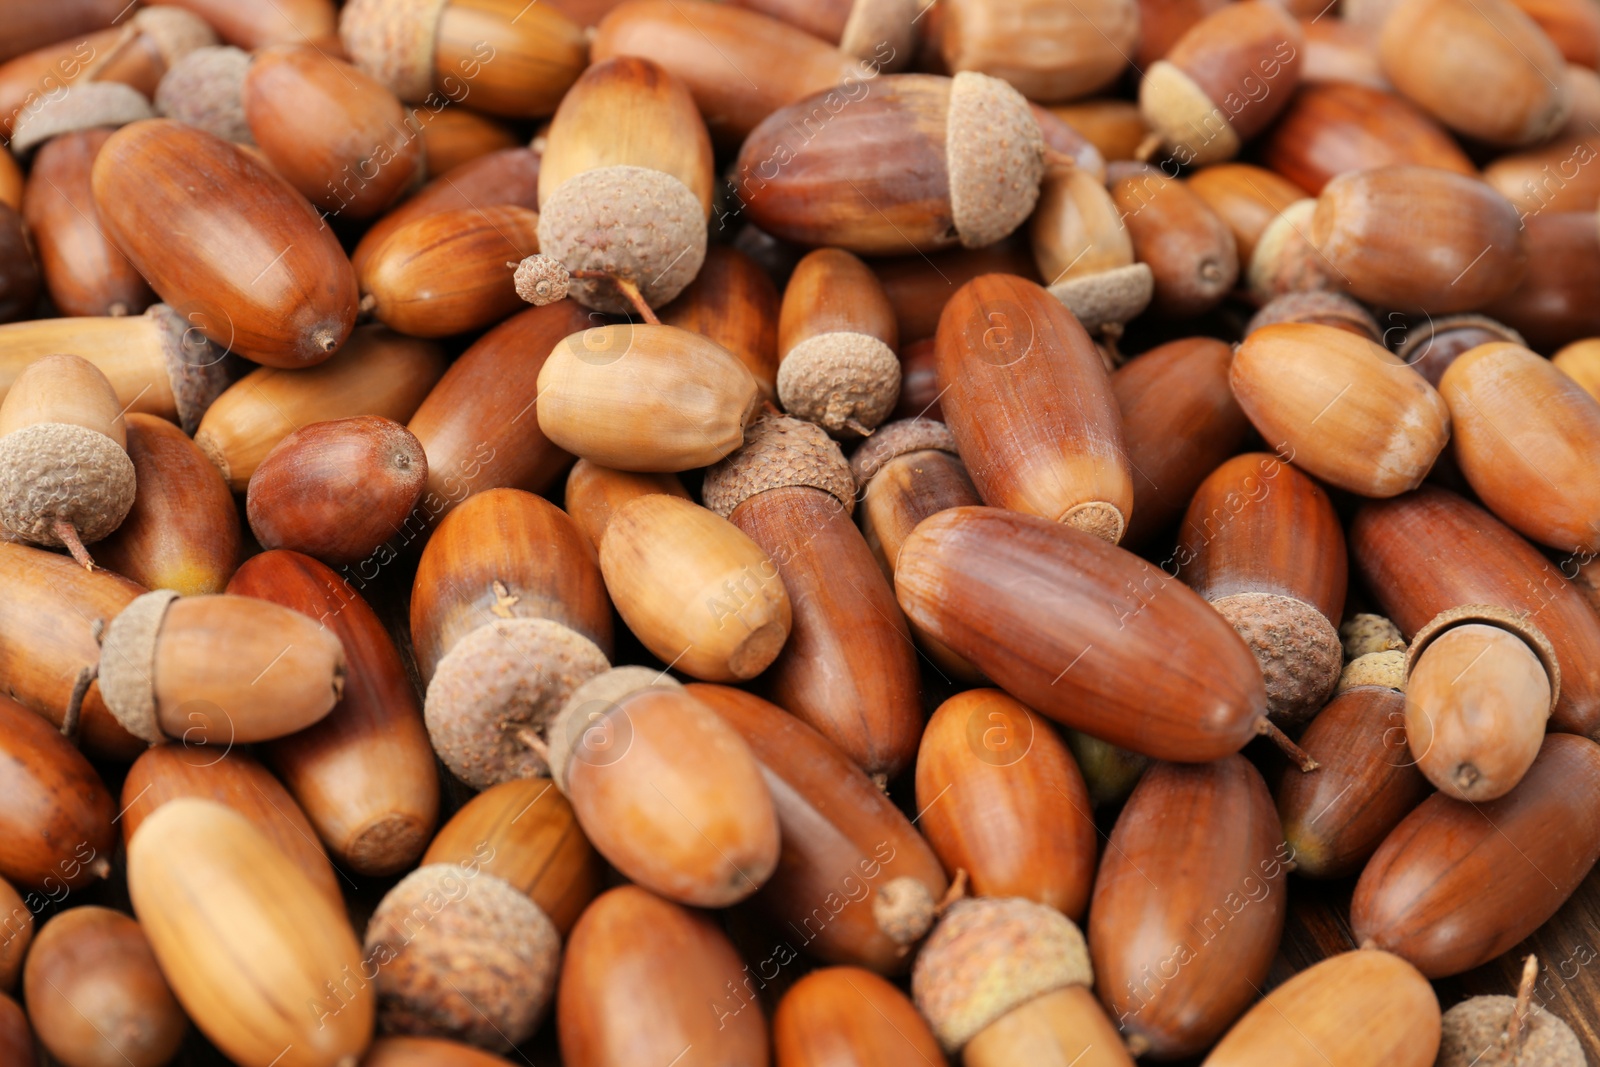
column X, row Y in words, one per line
column 1002, row 799
column 1190, row 251
column 426, row 1052
column 331, row 131
column 1580, row 361
column 837, row 337
column 734, row 303
column 1285, row 261
column 1420, row 896
column 919, row 286
column 847, row 1017
column 266, row 279
column 30, row 26
column 1319, row 308
column 290, row 22
column 1572, row 27
column 182, row 532
column 639, row 975
column 65, row 475
column 1182, row 947
column 56, row 816
column 595, row 493
column 1114, row 127
column 1551, row 306
column 364, row 774
column 19, row 275
column 16, row 933
column 453, row 136
column 1085, row 253
column 856, row 884
column 337, row 490
column 1549, row 177
column 1352, row 1008
column 502, row 634
column 859, row 27
column 96, row 996
column 1245, row 197
column 848, row 669
column 205, row 89
column 1047, row 51
column 377, row 373
column 1433, row 344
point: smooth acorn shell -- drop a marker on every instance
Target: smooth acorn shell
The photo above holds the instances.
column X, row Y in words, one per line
column 1245, row 59
column 507, row 58
column 1552, row 305
column 734, row 303
column 365, row 775
column 1076, row 230
column 183, row 531
column 454, row 136
column 1457, row 883
column 259, row 273
column 239, row 931
column 1182, row 931
column 55, row 816
column 1246, row 197
column 524, row 833
column 1049, row 52
column 843, row 840
column 1188, row 248
column 1115, row 127
column 1001, row 798
column 96, row 995
column 1549, row 177
column 1342, row 50
column 1356, row 1008
column 595, row 494
column 16, row 933
column 919, row 287
column 1083, row 632
column 848, row 1017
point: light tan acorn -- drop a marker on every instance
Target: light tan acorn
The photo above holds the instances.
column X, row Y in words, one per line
column 837, row 337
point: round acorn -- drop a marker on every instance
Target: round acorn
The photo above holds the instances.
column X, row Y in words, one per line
column 65, row 475
column 205, row 89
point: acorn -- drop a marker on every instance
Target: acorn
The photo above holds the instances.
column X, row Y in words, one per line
column 55, row 822
column 837, row 337
column 1114, row 127
column 365, row 773
column 330, row 130
column 919, row 286
column 1509, row 1030
column 1179, row 422
column 1551, row 306
column 1065, row 145
column 1420, row 896
column 639, row 975
column 1550, row 177
column 595, row 494
column 1181, row 947
column 452, row 136
column 502, row 634
column 16, row 933
column 337, row 490
column 1341, row 50
column 16, row 1037
column 1009, row 356
column 1262, row 544
column 1245, row 197
column 1047, row 51
column 377, row 373
column 458, row 952
column 290, row 22
column 1109, row 773
column 217, row 669
column 524, row 833
column 239, row 932
column 1430, row 346
column 205, row 89
column 1001, row 798
column 1353, row 1008
column 858, row 27
column 19, row 275
column 952, row 161
column 426, row 1052
column 291, row 308
column 157, row 363
column 65, row 475
column 28, row 81
column 1518, row 77
column 96, row 996
column 1004, row 981
column 1285, row 261
column 848, row 1017
column 1580, row 361
column 1223, row 81
column 734, row 303
column 1084, row 251
column 1340, row 407
column 508, row 60
column 31, row 27
column 919, row 383
column 147, row 44
column 1191, row 252
column 857, row 884
column 1319, row 309
column 848, row 669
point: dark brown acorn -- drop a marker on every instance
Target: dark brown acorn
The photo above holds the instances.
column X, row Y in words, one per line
column 55, row 821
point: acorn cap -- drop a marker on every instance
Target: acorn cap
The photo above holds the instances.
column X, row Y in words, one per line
column 1285, row 261
column 1097, row 518
column 904, row 910
column 174, row 31
column 1386, row 669
column 1473, row 1029
column 1295, row 644
column 994, row 153
column 503, row 678
column 197, row 368
column 57, row 471
column 128, row 664
column 460, row 952
column 779, row 451
column 1109, row 298
column 541, row 280
column 635, row 223
column 394, row 41
column 85, row 106
column 1518, row 623
column 1177, row 109
column 875, row 23
column 1423, row 333
column 897, row 439
column 1365, row 633
column 595, row 697
column 844, row 382
column 990, row 955
column 205, row 89
column 1319, row 308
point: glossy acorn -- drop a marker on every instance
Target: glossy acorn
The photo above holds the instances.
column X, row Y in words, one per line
column 1246, row 197
column 1191, row 252
column 454, row 135
column 847, row 1017
column 1551, row 305
column 1430, row 346
column 57, row 813
column 919, row 287
column 1048, row 52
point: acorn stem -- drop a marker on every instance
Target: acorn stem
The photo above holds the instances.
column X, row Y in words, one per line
column 627, row 289
column 1147, row 148
column 956, row 892
column 68, row 534
column 1266, row 728
column 80, row 689
column 1515, row 1031
column 535, row 743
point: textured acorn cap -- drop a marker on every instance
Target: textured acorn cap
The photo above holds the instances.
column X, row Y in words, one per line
column 197, row 369
column 1386, row 669
column 54, row 471
column 779, row 451
column 1472, row 1030
column 1177, row 109
column 1284, row 260
column 85, row 106
column 875, row 23
column 128, row 664
column 394, row 41
column 1365, row 633
column 995, row 155
column 174, row 31
column 1421, row 334
column 1319, row 308
column 1518, row 623
column 897, row 439
column 990, row 955
column 463, row 954
column 904, row 910
column 1295, row 644
column 503, row 678
column 1110, row 298
column 634, row 223
column 205, row 89
column 541, row 280
column 844, row 382
column 596, row 696
column 1097, row 518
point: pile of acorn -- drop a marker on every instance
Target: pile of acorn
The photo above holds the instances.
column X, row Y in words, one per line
column 950, row 552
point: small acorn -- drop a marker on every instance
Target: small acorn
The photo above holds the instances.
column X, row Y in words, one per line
column 65, row 475
column 1190, row 251
column 848, row 1017
column 1319, row 309
column 56, row 834
column 1246, row 197
column 205, row 89
column 16, row 934
column 1508, row 1031
column 1085, row 254
column 595, row 494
